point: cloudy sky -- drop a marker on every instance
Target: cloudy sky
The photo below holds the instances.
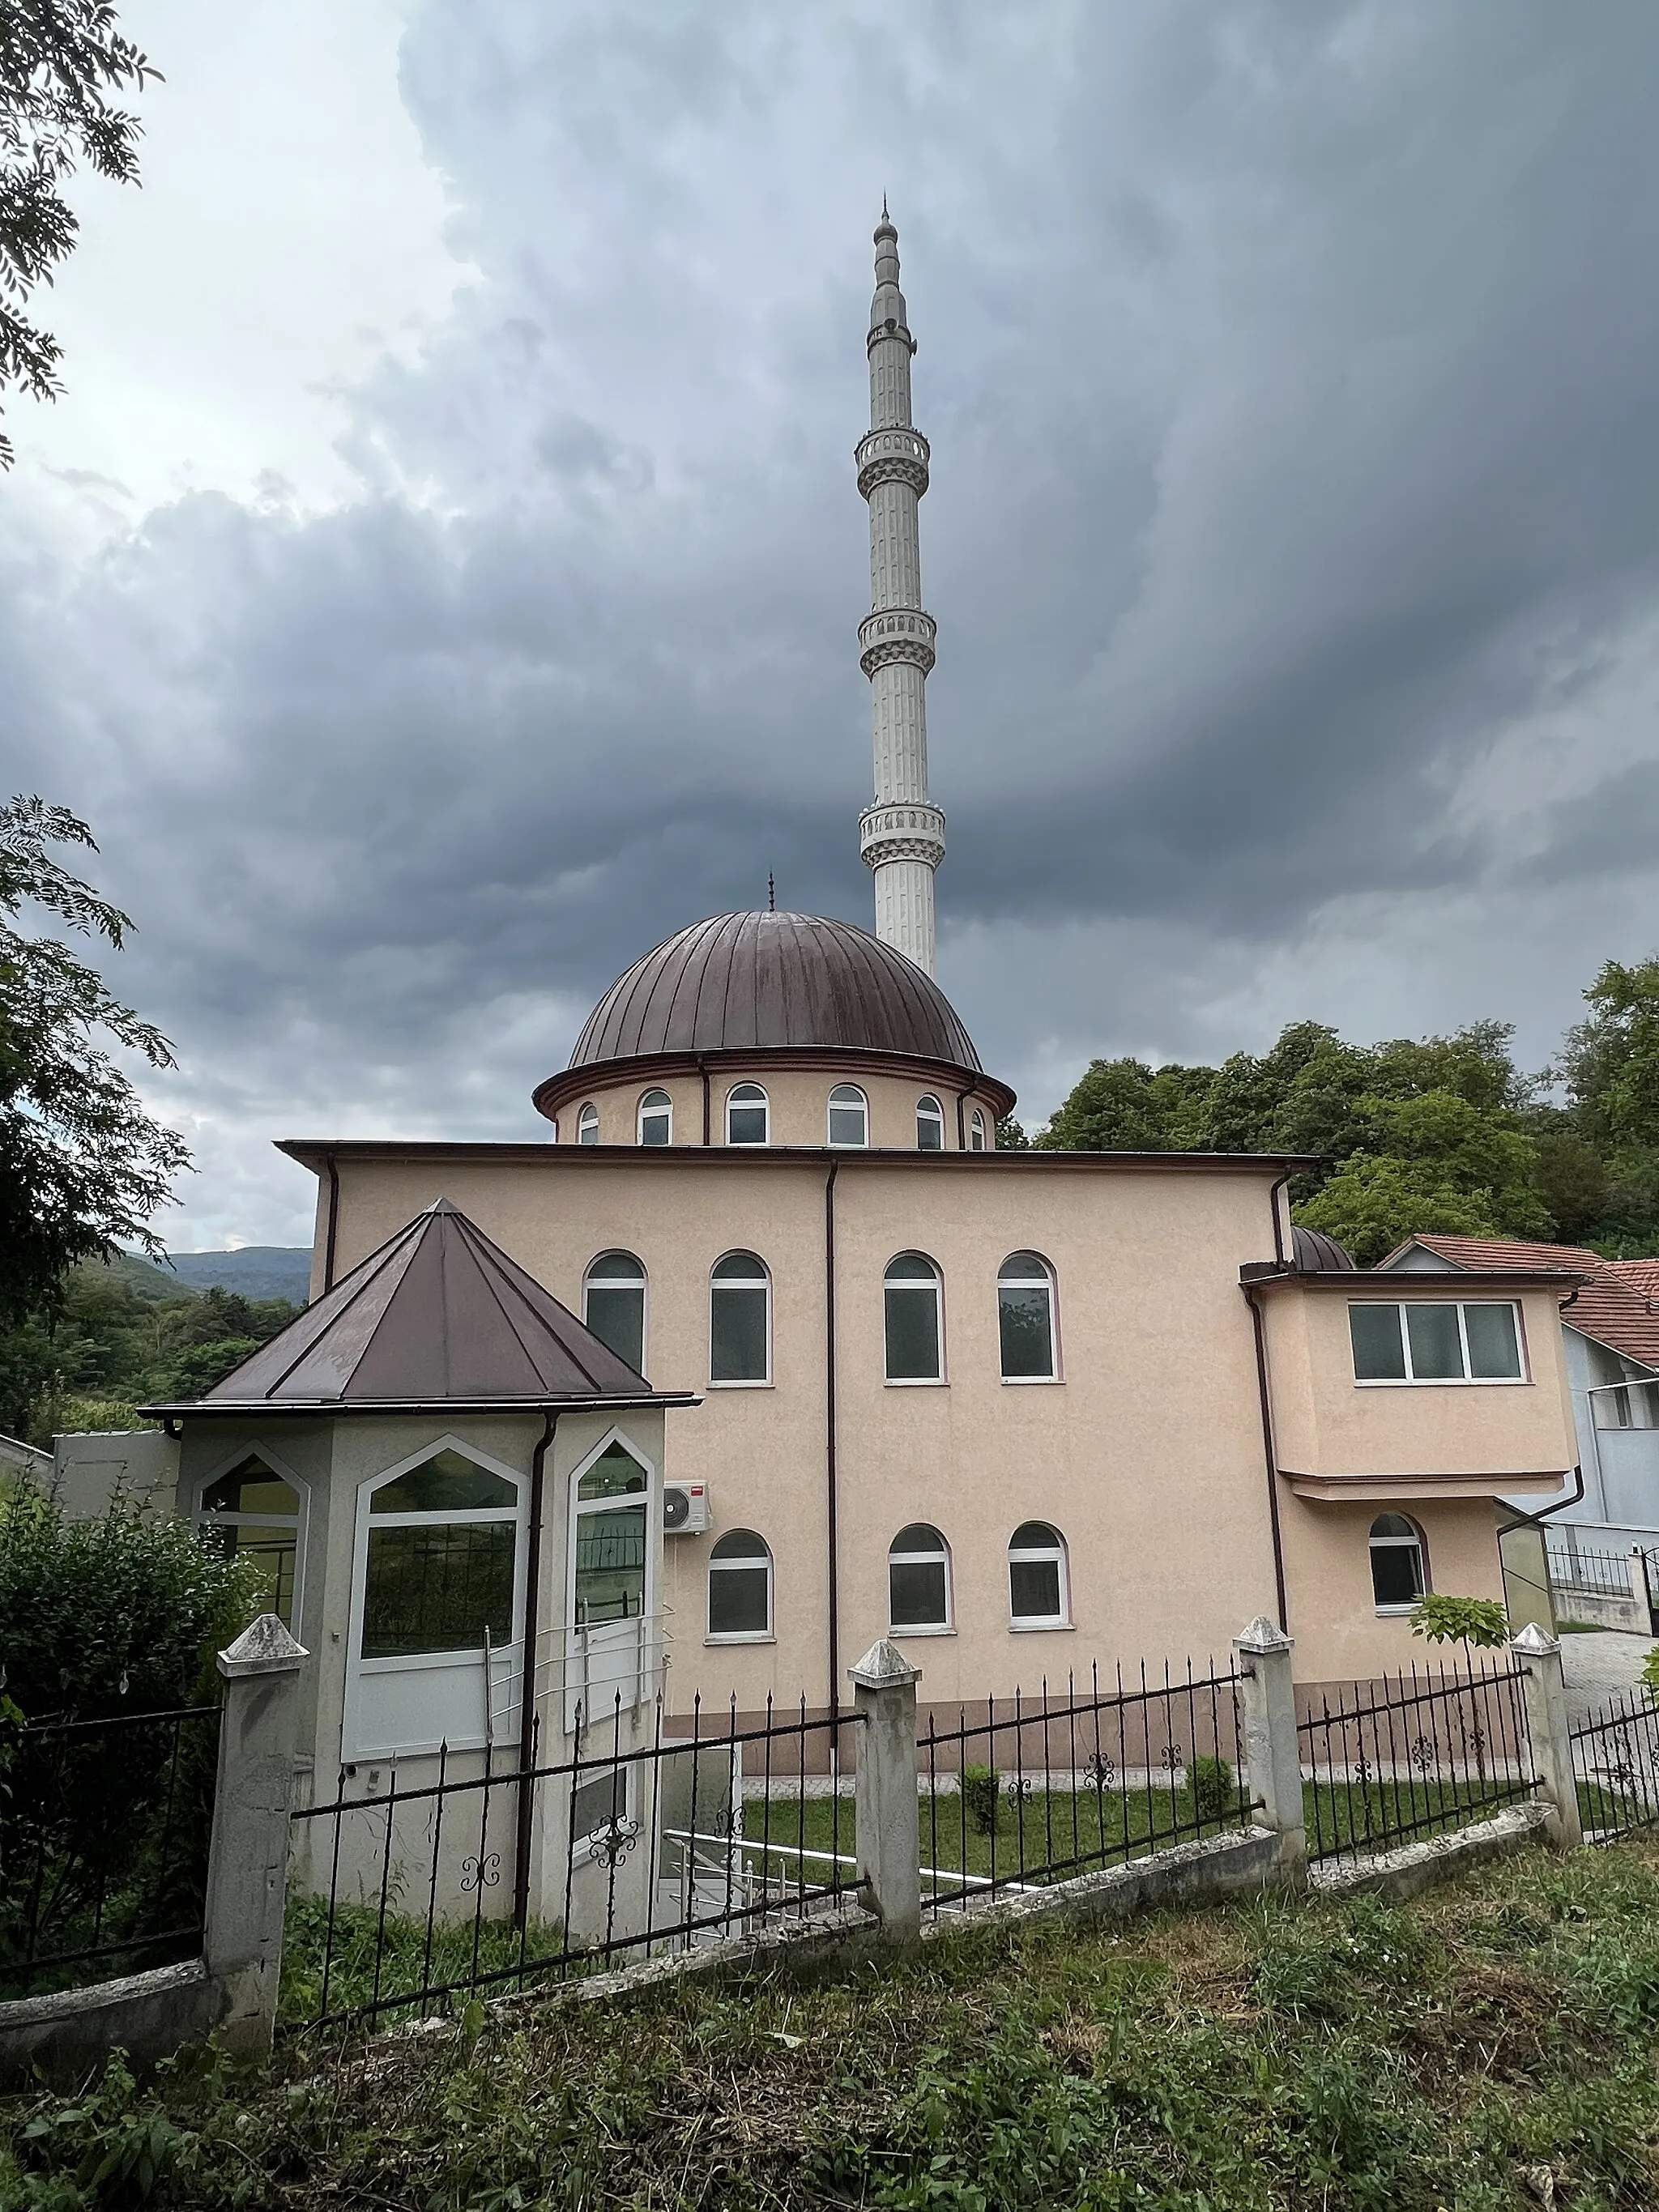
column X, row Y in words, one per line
column 440, row 580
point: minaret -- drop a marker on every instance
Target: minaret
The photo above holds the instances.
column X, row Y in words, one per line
column 901, row 835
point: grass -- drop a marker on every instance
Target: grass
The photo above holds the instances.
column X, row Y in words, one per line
column 1490, row 2047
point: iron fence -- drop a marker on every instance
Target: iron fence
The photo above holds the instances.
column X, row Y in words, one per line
column 105, row 1826
column 412, row 1896
column 1595, row 1574
column 1615, row 1764
column 1046, row 1787
column 1414, row 1755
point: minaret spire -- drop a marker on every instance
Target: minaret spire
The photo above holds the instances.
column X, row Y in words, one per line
column 901, row 833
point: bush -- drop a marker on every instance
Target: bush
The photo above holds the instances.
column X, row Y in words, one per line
column 981, row 1795
column 1480, row 1622
column 1211, row 1782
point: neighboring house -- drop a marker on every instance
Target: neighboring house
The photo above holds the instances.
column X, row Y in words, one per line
column 1610, row 1330
column 17, row 1458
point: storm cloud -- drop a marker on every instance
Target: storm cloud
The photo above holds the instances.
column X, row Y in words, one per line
column 1291, row 374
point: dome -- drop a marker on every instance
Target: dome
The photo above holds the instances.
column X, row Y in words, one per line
column 748, row 982
column 1313, row 1253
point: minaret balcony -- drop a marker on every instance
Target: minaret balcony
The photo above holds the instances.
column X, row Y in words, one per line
column 891, row 633
column 892, row 455
column 911, row 832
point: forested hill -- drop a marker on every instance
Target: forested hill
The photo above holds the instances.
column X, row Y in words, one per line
column 255, row 1271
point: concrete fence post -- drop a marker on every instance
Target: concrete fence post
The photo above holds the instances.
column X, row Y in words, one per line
column 1538, row 1657
column 1272, row 1748
column 889, row 1827
column 247, row 1863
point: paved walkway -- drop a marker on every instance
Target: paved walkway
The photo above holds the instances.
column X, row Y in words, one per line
column 1598, row 1663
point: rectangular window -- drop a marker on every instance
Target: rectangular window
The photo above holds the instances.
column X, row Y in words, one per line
column 598, row 1803
column 916, row 1593
column 736, row 1352
column 616, row 1314
column 610, row 1565
column 438, row 1588
column 739, row 1601
column 1033, row 1590
column 913, row 1333
column 1442, row 1342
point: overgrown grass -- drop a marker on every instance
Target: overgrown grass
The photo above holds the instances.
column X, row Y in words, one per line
column 355, row 1963
column 1490, row 2047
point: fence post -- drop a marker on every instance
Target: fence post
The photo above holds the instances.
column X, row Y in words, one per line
column 1272, row 1748
column 1538, row 1657
column 247, row 1861
column 889, row 1828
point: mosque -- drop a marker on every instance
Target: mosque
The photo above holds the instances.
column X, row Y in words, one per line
column 1028, row 1414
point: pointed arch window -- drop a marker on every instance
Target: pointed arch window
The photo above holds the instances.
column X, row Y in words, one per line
column 613, row 1305
column 748, row 1115
column 914, row 1339
column 608, row 1550
column 740, row 1588
column 1397, row 1563
column 1025, row 1318
column 656, row 1118
column 1038, row 1594
column 588, row 1125
column 739, row 1321
column 930, row 1126
column 849, row 1116
column 918, row 1581
column 254, row 1513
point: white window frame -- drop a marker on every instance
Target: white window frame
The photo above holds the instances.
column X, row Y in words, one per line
column 1416, row 1541
column 760, row 1100
column 629, row 1660
column 358, row 1668
column 201, row 1518
column 656, row 1090
column 1022, row 1624
column 845, row 1105
column 587, row 1118
column 715, row 1566
column 915, row 1289
column 929, row 1108
column 740, row 1252
column 1463, row 1381
column 1051, row 1282
column 976, row 1134
column 613, row 1283
column 948, row 1626
column 650, row 1497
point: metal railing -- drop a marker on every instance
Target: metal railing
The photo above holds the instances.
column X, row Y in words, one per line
column 503, row 1879
column 1599, row 1574
column 105, row 1826
column 1046, row 1787
column 1413, row 1755
column 1615, row 1764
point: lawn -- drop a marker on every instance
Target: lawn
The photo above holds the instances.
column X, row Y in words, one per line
column 1490, row 2047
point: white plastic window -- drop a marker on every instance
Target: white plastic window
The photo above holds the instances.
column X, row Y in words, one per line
column 1438, row 1342
column 739, row 1321
column 915, row 1340
column 255, row 1514
column 849, row 1116
column 748, row 1115
column 976, row 1132
column 613, row 1305
column 588, row 1125
column 656, row 1118
column 740, row 1588
column 930, row 1126
column 1038, row 1593
column 1025, row 1319
column 919, row 1580
column 1398, row 1580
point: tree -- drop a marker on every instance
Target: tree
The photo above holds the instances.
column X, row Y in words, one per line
column 1610, row 1063
column 82, row 1163
column 59, row 59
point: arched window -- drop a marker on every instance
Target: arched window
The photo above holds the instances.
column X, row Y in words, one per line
column 911, row 1293
column 608, row 1549
column 588, row 1125
column 850, row 1115
column 1398, row 1579
column 1038, row 1594
column 748, row 1115
column 613, row 1305
column 740, row 1320
column 918, row 1579
column 976, row 1132
column 439, row 1562
column 740, row 1586
column 254, row 1513
column 1025, row 1314
column 930, row 1126
column 656, row 1118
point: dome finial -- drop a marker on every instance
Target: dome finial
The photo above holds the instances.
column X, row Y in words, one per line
column 771, row 893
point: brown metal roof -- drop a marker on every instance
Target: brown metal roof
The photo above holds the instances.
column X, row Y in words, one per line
column 761, row 982
column 438, row 1318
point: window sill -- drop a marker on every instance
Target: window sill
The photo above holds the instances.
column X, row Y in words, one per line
column 742, row 1635
column 915, row 1383
column 1042, row 1627
column 1443, row 1382
column 1027, row 1382
column 767, row 1385
column 920, row 1631
column 1398, row 1611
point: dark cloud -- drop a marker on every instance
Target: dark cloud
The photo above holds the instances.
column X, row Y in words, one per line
column 1291, row 376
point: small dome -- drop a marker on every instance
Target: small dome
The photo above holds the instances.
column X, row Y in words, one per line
column 746, row 983
column 1313, row 1253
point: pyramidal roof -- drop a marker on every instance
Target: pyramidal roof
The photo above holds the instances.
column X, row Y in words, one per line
column 438, row 1319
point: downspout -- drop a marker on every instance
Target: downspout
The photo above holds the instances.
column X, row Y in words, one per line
column 1269, row 1451
column 1576, row 1496
column 532, row 1578
column 832, row 1501
column 333, row 1223
column 962, row 1120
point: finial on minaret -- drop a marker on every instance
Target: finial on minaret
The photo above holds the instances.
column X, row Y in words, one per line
column 902, row 833
column 771, row 894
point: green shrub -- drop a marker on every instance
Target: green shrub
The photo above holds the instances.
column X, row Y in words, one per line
column 1214, row 1793
column 981, row 1794
column 1480, row 1622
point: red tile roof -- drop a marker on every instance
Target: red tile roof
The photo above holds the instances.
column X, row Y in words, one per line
column 1618, row 1305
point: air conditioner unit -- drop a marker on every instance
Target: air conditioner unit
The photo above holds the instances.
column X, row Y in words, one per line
column 685, row 1509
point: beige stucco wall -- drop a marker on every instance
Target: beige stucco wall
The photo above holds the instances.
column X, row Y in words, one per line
column 1325, row 1423
column 799, row 1100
